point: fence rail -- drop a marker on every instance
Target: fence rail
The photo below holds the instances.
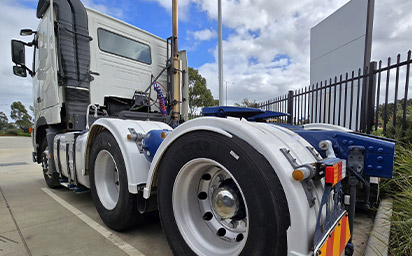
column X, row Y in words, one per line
column 363, row 100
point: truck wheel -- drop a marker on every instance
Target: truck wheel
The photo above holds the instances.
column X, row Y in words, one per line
column 52, row 180
column 108, row 184
column 219, row 196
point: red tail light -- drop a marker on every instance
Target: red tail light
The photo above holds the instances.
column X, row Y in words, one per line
column 335, row 173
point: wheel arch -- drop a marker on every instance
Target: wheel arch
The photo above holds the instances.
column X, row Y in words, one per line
column 261, row 137
column 136, row 164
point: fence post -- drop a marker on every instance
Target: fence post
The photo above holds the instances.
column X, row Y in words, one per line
column 370, row 92
column 290, row 107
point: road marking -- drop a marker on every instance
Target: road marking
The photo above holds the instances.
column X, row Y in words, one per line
column 115, row 239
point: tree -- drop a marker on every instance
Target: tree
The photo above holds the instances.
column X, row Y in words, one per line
column 4, row 121
column 247, row 104
column 199, row 95
column 20, row 115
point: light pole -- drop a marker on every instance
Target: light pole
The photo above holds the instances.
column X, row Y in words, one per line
column 226, row 90
column 220, row 52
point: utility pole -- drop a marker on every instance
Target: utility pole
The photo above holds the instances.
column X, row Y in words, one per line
column 220, row 53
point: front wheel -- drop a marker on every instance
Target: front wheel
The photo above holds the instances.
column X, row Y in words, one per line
column 52, row 179
column 108, row 184
column 219, row 196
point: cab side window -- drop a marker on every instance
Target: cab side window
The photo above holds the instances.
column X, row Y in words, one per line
column 122, row 46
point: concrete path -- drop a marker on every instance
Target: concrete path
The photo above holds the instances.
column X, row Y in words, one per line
column 32, row 222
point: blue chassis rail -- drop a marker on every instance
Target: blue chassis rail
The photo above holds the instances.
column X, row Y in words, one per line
column 378, row 152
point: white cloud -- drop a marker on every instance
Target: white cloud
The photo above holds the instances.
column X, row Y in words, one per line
column 203, row 35
column 392, row 31
column 115, row 12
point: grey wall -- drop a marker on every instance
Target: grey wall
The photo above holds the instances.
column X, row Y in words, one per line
column 338, row 45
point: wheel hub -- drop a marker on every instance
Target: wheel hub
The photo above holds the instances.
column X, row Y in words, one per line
column 225, row 202
column 107, row 179
column 210, row 209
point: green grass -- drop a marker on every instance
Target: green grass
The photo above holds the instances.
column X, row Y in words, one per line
column 14, row 132
column 400, row 190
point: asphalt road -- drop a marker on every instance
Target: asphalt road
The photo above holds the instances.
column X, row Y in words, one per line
column 35, row 220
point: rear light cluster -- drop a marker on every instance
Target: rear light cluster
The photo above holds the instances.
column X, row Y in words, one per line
column 335, row 172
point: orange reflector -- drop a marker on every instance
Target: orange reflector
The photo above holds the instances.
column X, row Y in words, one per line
column 129, row 136
column 49, row 155
column 338, row 239
column 298, row 175
column 333, row 173
column 340, row 171
column 163, row 135
column 30, row 130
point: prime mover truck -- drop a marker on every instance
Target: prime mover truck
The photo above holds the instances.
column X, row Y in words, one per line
column 111, row 117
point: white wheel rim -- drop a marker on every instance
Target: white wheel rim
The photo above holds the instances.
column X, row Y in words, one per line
column 106, row 179
column 201, row 226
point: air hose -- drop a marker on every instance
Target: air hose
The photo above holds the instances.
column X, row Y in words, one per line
column 161, row 98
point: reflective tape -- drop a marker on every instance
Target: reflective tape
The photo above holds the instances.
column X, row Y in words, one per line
column 337, row 240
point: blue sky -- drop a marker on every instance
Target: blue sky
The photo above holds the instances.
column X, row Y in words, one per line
column 265, row 42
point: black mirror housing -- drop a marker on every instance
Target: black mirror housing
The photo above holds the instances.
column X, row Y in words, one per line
column 27, row 32
column 18, row 54
column 19, row 71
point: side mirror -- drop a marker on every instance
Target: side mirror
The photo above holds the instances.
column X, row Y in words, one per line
column 27, row 32
column 19, row 71
column 18, row 55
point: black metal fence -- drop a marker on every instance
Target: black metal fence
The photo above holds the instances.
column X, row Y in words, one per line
column 363, row 100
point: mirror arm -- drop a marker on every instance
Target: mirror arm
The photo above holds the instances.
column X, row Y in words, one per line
column 31, row 73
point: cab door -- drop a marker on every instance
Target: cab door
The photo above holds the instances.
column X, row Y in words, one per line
column 45, row 79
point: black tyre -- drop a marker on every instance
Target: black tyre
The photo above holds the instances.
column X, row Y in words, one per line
column 219, row 196
column 52, row 180
column 108, row 184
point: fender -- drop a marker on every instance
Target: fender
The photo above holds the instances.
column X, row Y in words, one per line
column 267, row 140
column 136, row 164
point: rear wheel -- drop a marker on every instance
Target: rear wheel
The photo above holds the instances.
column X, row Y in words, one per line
column 109, row 186
column 219, row 196
column 52, row 179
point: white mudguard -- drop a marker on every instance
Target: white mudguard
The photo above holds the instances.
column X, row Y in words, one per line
column 137, row 166
column 267, row 139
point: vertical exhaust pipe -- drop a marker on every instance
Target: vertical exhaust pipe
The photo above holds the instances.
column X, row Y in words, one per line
column 176, row 63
